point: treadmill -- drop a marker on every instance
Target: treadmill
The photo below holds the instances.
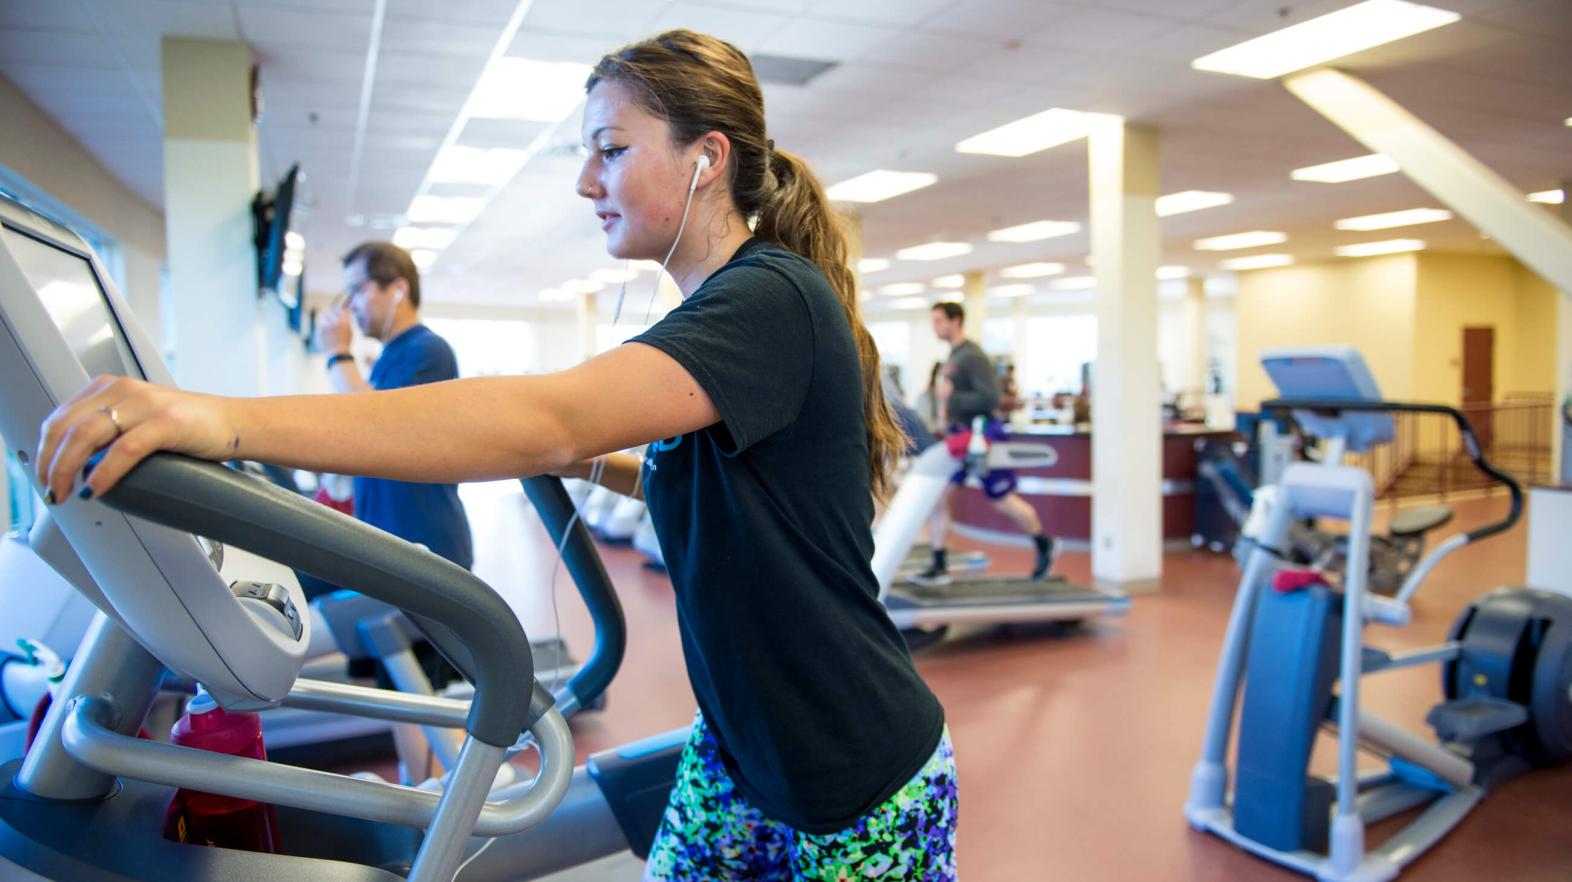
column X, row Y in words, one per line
column 970, row 597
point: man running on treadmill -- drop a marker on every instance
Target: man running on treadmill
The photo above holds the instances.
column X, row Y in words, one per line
column 967, row 389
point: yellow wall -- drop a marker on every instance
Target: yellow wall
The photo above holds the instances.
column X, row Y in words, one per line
column 1406, row 314
column 1457, row 291
column 1539, row 309
column 1367, row 304
column 34, row 146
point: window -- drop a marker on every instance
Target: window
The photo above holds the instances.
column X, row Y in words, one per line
column 893, row 340
column 486, row 347
column 1056, row 347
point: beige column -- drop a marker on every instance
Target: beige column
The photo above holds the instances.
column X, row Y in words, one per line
column 1562, row 444
column 1127, row 430
column 588, row 309
column 210, row 177
column 974, row 296
column 1192, row 375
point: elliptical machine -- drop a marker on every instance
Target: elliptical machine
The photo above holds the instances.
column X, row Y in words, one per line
column 1506, row 667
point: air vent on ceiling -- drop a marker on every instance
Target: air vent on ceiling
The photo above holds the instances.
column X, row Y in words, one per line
column 787, row 70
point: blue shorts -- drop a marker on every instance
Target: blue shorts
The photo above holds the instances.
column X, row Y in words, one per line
column 997, row 483
column 711, row 833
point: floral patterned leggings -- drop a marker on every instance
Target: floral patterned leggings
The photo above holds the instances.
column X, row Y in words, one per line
column 710, row 832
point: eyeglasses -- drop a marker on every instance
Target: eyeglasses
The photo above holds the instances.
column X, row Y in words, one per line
column 355, row 290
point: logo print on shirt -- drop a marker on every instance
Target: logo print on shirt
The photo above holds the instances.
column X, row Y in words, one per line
column 667, row 444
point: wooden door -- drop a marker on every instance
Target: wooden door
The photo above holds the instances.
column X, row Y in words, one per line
column 1479, row 352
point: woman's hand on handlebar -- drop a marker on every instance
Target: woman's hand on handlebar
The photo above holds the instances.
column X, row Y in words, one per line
column 128, row 419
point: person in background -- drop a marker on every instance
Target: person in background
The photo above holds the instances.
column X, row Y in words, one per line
column 382, row 288
column 967, row 389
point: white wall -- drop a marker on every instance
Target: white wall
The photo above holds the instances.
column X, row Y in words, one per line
column 39, row 151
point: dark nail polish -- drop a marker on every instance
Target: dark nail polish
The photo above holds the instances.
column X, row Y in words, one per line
column 85, row 493
column 49, row 496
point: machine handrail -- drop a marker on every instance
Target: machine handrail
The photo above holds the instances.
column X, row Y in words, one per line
column 584, row 564
column 1466, row 432
column 89, row 736
column 469, row 623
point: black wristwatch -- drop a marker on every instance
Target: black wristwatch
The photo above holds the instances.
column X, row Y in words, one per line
column 337, row 357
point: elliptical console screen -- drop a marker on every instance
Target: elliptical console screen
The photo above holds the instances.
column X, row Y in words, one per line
column 70, row 292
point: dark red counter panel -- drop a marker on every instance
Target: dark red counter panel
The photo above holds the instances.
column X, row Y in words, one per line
column 1062, row 495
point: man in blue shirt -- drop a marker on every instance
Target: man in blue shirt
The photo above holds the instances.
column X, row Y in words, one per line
column 383, row 298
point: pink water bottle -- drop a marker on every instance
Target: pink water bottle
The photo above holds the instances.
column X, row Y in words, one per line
column 209, row 819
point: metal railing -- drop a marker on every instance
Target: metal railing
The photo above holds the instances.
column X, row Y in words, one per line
column 1425, row 458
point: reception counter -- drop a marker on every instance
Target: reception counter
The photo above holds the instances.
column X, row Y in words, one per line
column 1062, row 495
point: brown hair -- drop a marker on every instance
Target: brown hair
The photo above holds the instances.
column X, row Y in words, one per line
column 699, row 84
column 385, row 263
column 951, row 310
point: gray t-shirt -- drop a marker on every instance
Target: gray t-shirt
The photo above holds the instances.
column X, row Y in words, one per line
column 975, row 391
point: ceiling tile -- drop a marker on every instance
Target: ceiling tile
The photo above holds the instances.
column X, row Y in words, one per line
column 826, row 41
column 900, row 13
column 54, row 48
column 615, row 21
column 998, row 19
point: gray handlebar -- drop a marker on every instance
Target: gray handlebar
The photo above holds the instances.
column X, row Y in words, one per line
column 467, row 621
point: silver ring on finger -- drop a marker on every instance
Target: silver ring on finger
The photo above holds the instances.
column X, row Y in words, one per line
column 114, row 419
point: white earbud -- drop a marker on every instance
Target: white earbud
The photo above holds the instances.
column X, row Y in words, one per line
column 698, row 169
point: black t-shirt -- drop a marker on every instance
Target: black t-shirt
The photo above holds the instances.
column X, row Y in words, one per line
column 764, row 519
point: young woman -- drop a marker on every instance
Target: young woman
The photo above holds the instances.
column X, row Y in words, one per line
column 817, row 752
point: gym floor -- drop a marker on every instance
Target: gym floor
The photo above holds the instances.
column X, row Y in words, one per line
column 1074, row 749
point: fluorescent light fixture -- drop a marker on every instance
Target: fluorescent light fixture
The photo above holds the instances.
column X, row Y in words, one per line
column 556, row 294
column 1173, row 272
column 1252, row 239
column 1257, row 261
column 294, row 240
column 1319, row 40
column 1567, row 121
column 1033, row 133
column 1190, row 200
column 1035, row 231
column 872, row 264
column 953, row 280
column 430, row 238
column 934, row 251
column 445, row 209
column 1074, row 283
column 1392, row 219
column 476, row 165
column 423, row 258
column 1031, row 270
column 1019, row 289
column 1346, row 169
column 1371, row 249
column 879, row 185
column 522, row 88
column 910, row 303
column 902, row 289
column 582, row 286
column 1548, row 197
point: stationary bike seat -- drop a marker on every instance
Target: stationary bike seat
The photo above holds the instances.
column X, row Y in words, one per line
column 1422, row 519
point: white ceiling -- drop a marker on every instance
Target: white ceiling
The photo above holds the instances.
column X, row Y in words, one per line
column 914, row 77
